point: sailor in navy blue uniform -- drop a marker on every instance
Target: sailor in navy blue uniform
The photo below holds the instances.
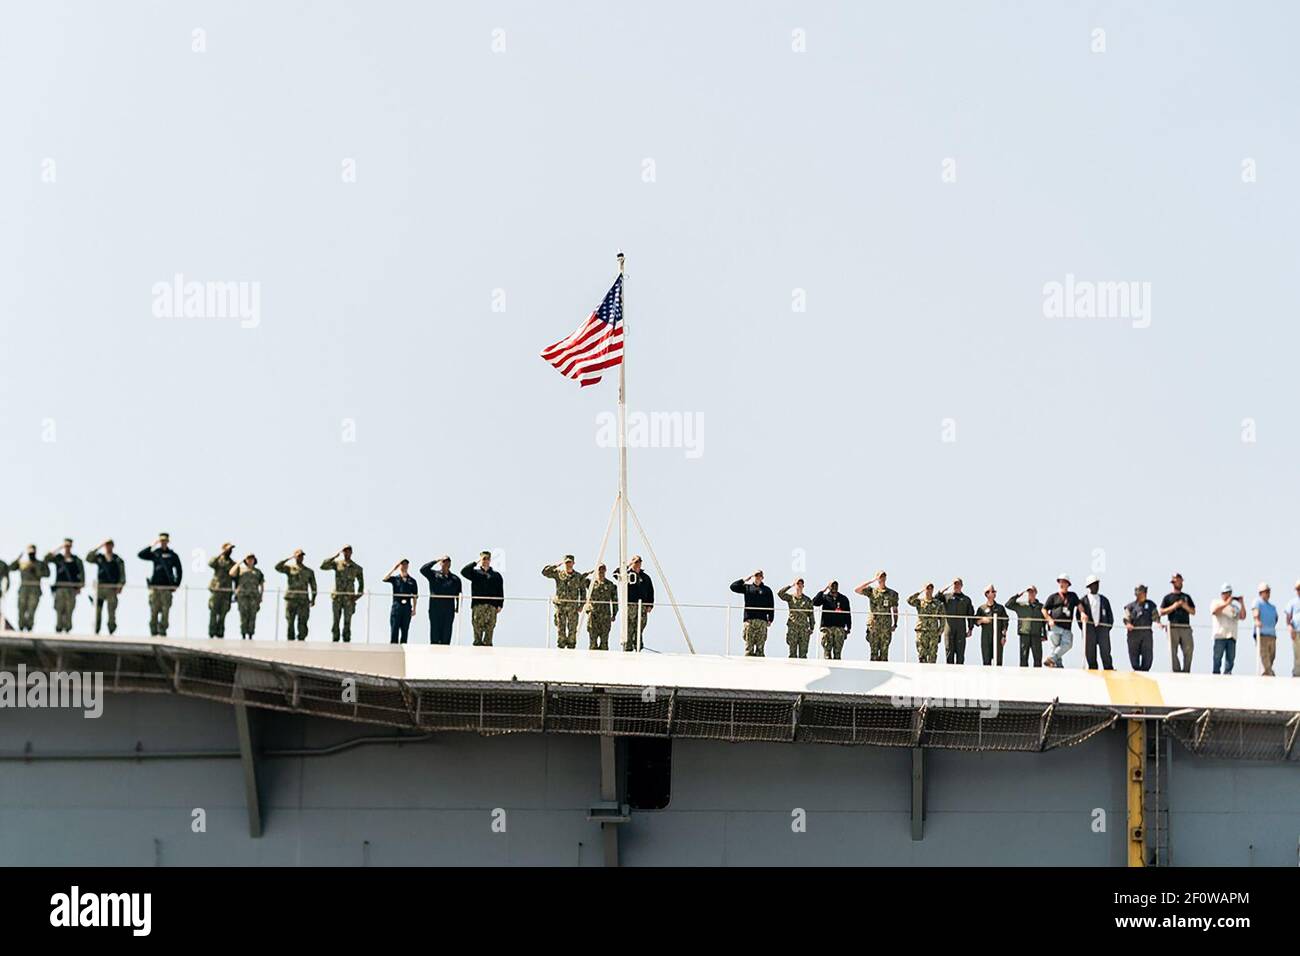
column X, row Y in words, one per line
column 406, row 592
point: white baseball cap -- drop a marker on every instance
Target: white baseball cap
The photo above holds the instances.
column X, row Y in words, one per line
column 1092, row 579
column 1226, row 589
column 1064, row 577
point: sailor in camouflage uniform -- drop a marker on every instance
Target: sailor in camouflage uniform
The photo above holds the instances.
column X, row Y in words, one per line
column 250, row 584
column 221, row 590
column 837, row 619
column 799, row 622
column 602, row 608
column 570, row 593
column 69, row 579
column 109, row 580
column 759, row 612
column 30, row 570
column 299, row 594
column 883, row 619
column 929, row 623
column 349, row 585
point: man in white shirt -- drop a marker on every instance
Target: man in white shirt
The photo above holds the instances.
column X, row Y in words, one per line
column 1097, row 619
column 1227, row 612
column 1293, row 625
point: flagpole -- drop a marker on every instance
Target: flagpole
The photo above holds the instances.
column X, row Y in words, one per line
column 622, row 457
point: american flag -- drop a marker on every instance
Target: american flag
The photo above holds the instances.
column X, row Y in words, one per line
column 596, row 345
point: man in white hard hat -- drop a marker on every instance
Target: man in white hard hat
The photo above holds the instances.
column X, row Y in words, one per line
column 1060, row 610
column 1097, row 619
column 1293, row 625
column 1265, row 614
column 1227, row 612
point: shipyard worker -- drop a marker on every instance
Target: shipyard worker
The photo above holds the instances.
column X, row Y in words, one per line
column 1179, row 607
column 30, row 570
column 444, row 598
column 1265, row 614
column 299, row 594
column 163, row 581
column 959, row 612
column 406, row 593
column 221, row 590
column 1293, row 628
column 1097, row 619
column 1060, row 611
column 799, row 621
column 929, row 622
column 602, row 608
column 993, row 622
column 250, row 585
column 1031, row 625
column 883, row 616
column 1227, row 612
column 570, row 593
column 1141, row 617
column 349, row 585
column 109, row 580
column 758, row 614
column 487, row 598
column 69, row 579
column 837, row 619
column 640, row 602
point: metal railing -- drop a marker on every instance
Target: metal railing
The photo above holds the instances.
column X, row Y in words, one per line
column 716, row 628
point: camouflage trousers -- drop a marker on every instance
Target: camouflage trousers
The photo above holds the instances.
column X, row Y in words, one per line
column 344, row 607
column 296, row 612
column 879, row 639
column 28, row 598
column 106, row 597
column 635, row 625
column 65, row 601
column 833, row 641
column 755, row 638
column 483, row 621
column 249, row 605
column 796, row 638
column 598, row 631
column 218, row 608
column 566, row 624
column 160, row 610
column 927, row 646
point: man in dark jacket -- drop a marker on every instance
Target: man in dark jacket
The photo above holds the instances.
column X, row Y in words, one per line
column 444, row 598
column 163, row 582
column 108, row 584
column 69, row 579
column 837, row 619
column 1097, row 620
column 640, row 596
column 759, row 612
column 487, row 597
column 959, row 613
column 1141, row 617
